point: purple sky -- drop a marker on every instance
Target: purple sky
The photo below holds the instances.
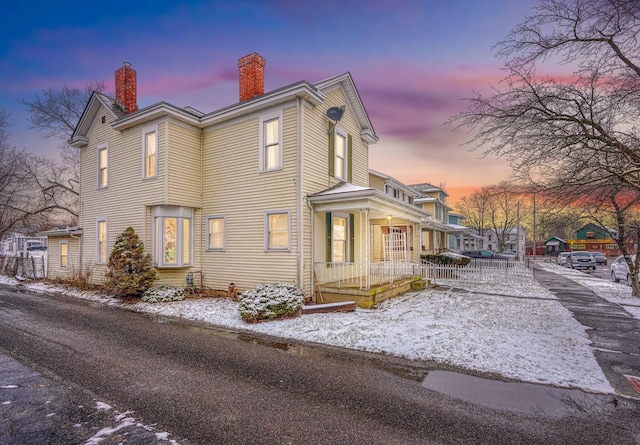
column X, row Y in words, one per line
column 412, row 62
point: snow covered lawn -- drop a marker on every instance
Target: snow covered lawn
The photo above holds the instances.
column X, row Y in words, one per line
column 520, row 332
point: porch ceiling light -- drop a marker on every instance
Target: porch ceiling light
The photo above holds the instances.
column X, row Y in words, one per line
column 389, row 217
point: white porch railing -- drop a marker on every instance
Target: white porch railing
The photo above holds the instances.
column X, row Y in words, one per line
column 357, row 276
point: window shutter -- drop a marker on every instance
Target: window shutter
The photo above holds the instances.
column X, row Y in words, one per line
column 349, row 159
column 332, row 152
column 328, row 219
column 352, row 243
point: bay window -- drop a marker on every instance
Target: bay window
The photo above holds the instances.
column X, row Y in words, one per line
column 172, row 236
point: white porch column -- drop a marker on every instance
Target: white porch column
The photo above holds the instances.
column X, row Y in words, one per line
column 367, row 258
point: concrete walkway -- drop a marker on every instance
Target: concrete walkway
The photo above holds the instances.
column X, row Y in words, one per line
column 615, row 334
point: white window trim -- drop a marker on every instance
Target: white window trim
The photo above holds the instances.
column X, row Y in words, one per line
column 156, row 245
column 146, row 130
column 99, row 149
column 65, row 242
column 106, row 241
column 343, row 175
column 264, row 118
column 347, row 218
column 266, row 231
column 224, row 234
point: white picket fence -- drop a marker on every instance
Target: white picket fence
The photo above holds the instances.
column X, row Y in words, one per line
column 479, row 271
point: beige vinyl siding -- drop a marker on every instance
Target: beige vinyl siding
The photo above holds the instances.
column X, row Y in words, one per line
column 234, row 187
column 315, row 172
column 123, row 202
column 376, row 182
column 53, row 258
column 126, row 200
column 183, row 166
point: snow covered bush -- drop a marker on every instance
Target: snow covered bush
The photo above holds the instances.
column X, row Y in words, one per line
column 271, row 301
column 130, row 272
column 447, row 258
column 163, row 294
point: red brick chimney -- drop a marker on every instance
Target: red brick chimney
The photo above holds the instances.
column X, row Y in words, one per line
column 251, row 76
column 126, row 88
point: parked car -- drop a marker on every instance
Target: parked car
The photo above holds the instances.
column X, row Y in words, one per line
column 509, row 254
column 483, row 254
column 562, row 258
column 581, row 259
column 620, row 270
column 600, row 258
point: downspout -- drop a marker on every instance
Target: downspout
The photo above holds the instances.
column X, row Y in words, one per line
column 299, row 177
column 313, row 268
column 202, row 240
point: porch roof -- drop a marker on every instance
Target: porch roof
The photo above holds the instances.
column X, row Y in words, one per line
column 349, row 197
column 456, row 228
column 66, row 231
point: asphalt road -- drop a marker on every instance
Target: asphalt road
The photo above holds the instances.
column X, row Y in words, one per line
column 215, row 387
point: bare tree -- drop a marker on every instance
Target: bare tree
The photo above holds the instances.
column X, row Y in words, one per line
column 55, row 114
column 567, row 131
column 20, row 205
column 474, row 209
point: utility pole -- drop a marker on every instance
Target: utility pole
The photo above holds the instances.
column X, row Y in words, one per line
column 534, row 226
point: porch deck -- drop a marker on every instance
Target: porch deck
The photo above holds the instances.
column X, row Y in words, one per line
column 367, row 286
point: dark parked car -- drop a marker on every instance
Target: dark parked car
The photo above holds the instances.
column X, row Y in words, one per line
column 600, row 258
column 581, row 260
column 483, row 254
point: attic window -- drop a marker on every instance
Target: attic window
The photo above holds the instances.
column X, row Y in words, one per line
column 104, row 119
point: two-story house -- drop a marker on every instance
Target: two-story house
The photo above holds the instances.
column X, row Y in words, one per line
column 272, row 188
column 432, row 199
column 514, row 238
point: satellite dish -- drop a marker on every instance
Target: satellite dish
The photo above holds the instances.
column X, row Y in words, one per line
column 335, row 113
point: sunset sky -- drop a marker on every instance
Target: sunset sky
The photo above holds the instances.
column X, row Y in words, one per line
column 412, row 62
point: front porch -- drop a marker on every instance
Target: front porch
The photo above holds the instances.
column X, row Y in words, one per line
column 367, row 285
column 366, row 245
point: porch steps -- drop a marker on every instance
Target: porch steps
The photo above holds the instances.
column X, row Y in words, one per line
column 342, row 306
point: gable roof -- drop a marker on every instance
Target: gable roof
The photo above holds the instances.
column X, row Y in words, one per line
column 312, row 93
column 96, row 101
column 345, row 81
column 393, row 181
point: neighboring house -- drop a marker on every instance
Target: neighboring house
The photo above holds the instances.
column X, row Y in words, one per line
column 462, row 237
column 272, row 188
column 514, row 240
column 434, row 231
column 17, row 244
column 595, row 238
column 555, row 245
column 392, row 232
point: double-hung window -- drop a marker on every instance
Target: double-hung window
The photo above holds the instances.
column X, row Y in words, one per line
column 64, row 254
column 340, row 155
column 150, row 152
column 339, row 240
column 102, row 166
column 216, row 233
column 277, row 230
column 172, row 236
column 101, row 245
column 271, row 141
